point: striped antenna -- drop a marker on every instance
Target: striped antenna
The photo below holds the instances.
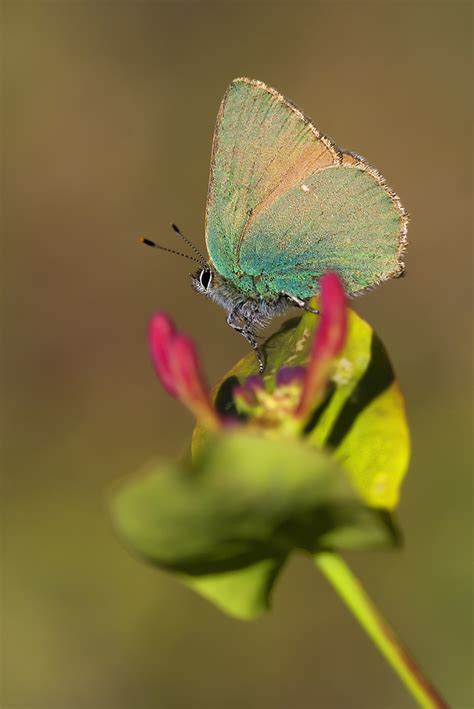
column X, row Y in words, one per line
column 148, row 242
column 178, row 231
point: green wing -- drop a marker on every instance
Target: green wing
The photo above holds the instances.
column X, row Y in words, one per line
column 262, row 146
column 285, row 205
column 341, row 218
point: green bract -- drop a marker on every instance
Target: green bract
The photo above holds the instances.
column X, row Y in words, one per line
column 244, row 505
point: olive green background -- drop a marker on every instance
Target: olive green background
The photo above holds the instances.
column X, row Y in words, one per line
column 109, row 109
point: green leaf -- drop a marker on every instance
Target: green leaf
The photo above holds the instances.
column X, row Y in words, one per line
column 228, row 523
column 243, row 593
column 362, row 418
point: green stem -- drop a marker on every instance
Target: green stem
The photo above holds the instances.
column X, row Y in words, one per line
column 352, row 593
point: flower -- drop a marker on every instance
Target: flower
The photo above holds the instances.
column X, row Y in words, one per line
column 329, row 341
column 286, row 402
column 177, row 366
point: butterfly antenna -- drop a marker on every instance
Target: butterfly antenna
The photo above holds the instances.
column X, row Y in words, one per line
column 178, row 231
column 148, row 242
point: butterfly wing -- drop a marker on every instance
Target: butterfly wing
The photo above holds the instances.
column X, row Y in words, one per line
column 262, row 146
column 285, row 204
column 341, row 218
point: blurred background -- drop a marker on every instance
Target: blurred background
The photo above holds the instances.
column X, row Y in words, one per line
column 109, row 109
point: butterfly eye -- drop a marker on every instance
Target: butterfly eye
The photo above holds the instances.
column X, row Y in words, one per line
column 205, row 278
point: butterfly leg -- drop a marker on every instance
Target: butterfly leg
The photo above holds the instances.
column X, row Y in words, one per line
column 301, row 304
column 240, row 324
column 258, row 350
column 233, row 319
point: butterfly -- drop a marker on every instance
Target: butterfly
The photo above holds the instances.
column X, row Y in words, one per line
column 285, row 205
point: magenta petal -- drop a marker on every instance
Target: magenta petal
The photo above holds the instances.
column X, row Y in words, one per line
column 160, row 336
column 185, row 367
column 177, row 366
column 245, row 395
column 332, row 329
column 289, row 375
column 189, row 381
column 254, row 382
column 247, row 390
column 328, row 342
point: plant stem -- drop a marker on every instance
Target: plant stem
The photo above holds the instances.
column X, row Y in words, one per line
column 356, row 599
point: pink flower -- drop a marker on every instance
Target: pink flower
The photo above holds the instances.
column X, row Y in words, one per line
column 177, row 366
column 329, row 341
column 297, row 391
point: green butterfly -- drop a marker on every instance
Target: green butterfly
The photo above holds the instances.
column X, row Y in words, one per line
column 286, row 205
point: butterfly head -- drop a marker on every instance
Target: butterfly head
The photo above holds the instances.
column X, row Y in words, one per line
column 209, row 282
column 202, row 280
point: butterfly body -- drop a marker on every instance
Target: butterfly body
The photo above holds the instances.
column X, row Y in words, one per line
column 285, row 205
column 246, row 312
